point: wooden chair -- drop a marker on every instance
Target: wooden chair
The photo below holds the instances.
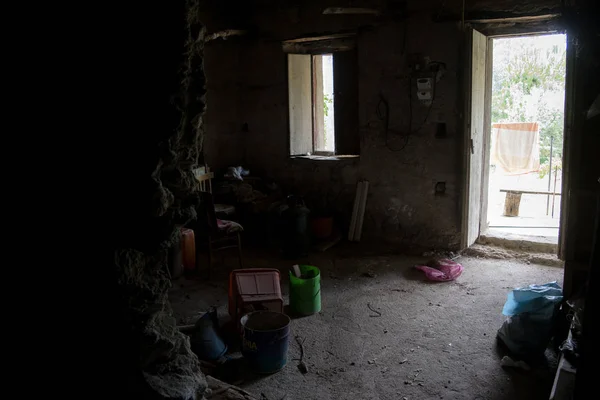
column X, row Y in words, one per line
column 218, row 234
column 204, row 177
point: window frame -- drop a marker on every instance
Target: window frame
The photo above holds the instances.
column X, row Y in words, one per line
column 313, row 107
column 314, row 103
column 302, row 136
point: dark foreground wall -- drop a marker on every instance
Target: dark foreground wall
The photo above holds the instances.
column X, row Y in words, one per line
column 150, row 148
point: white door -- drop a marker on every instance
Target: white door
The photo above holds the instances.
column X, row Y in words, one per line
column 475, row 130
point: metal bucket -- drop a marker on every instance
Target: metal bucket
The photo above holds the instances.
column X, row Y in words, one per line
column 205, row 340
column 265, row 340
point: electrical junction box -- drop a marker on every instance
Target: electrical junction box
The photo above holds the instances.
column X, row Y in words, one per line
column 424, row 95
column 424, row 84
column 425, row 89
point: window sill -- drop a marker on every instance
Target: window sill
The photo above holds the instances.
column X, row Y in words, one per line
column 327, row 158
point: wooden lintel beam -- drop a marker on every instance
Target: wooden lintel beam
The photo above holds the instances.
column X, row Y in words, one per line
column 320, row 47
column 321, row 37
column 350, row 11
column 523, row 18
column 499, row 16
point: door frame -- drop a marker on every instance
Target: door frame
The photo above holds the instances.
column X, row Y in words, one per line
column 487, row 136
column 568, row 126
column 564, row 250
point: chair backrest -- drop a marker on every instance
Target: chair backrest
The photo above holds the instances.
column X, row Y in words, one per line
column 206, row 212
column 204, row 179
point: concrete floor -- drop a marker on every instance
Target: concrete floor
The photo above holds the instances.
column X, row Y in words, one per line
column 432, row 341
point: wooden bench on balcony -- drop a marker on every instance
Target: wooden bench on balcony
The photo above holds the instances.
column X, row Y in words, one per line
column 513, row 200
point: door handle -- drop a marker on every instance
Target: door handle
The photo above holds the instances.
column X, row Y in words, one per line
column 472, row 147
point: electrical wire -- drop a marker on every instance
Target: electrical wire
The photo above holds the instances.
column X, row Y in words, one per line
column 385, row 117
column 437, row 18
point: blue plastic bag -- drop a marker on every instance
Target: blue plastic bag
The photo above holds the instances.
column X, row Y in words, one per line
column 530, row 312
column 537, row 299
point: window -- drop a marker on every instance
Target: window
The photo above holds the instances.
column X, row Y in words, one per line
column 323, row 104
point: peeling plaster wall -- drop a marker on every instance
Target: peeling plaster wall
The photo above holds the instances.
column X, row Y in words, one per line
column 222, row 117
column 402, row 205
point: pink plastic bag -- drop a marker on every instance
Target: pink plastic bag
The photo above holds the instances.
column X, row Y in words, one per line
column 441, row 270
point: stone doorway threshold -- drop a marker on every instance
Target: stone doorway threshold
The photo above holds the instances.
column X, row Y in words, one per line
column 519, row 242
column 516, row 248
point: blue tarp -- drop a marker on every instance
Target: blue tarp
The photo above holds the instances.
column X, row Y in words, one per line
column 530, row 312
column 536, row 299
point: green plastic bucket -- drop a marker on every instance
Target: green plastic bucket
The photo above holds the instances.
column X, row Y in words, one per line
column 305, row 292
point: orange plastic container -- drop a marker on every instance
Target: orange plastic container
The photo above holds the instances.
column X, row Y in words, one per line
column 188, row 249
column 254, row 287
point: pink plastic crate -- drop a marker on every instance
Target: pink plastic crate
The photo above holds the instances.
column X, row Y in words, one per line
column 254, row 286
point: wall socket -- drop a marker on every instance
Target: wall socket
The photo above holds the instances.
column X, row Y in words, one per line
column 424, row 84
column 440, row 130
column 440, row 188
column 424, row 96
column 425, row 89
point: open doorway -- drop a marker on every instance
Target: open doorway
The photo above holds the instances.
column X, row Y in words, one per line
column 514, row 124
column 526, row 136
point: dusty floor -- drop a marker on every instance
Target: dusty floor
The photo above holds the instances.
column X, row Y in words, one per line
column 432, row 341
